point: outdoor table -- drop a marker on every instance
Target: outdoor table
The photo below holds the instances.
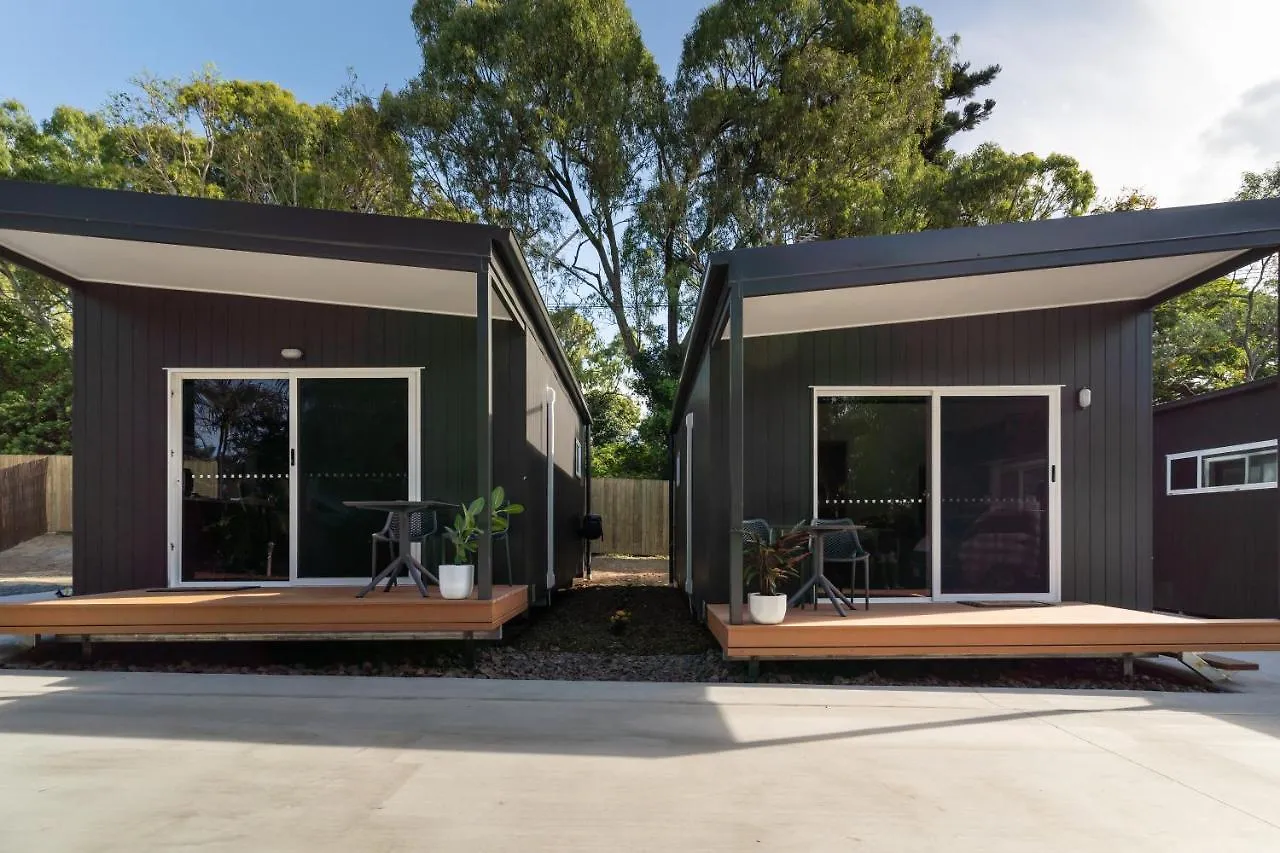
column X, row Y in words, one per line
column 405, row 557
column 838, row 599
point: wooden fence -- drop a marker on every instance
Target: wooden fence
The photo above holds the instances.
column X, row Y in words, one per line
column 635, row 516
column 57, row 489
column 22, row 502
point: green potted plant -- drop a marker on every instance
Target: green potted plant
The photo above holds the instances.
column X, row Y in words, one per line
column 766, row 565
column 457, row 580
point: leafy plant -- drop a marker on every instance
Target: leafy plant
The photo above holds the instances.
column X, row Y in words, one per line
column 465, row 532
column 619, row 621
column 768, row 563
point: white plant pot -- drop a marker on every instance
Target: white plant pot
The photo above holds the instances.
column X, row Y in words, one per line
column 457, row 581
column 767, row 609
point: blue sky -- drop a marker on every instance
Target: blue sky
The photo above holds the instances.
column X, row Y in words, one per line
column 1175, row 96
column 80, row 51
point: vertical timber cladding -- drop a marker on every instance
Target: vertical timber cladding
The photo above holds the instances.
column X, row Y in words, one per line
column 1106, row 449
column 1214, row 555
column 570, row 490
column 126, row 336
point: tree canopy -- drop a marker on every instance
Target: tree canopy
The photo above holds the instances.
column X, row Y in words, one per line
column 1222, row 333
column 785, row 120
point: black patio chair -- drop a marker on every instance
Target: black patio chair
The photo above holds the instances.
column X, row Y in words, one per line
column 423, row 526
column 759, row 528
column 845, row 547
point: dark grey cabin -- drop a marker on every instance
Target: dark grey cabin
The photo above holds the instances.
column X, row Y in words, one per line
column 978, row 399
column 242, row 370
column 1217, row 508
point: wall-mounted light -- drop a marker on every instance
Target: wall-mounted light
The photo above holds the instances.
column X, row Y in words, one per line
column 291, row 353
column 1084, row 397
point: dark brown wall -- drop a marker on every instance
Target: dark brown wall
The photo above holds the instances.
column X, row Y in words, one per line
column 126, row 336
column 1106, row 459
column 1217, row 554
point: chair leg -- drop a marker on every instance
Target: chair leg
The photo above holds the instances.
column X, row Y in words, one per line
column 373, row 557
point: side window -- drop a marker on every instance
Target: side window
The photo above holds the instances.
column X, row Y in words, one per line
column 1222, row 469
column 577, row 457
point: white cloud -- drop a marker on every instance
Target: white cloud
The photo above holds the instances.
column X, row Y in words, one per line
column 1178, row 97
column 1253, row 124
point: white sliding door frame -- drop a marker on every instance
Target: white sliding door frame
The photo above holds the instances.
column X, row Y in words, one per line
column 935, row 395
column 412, row 377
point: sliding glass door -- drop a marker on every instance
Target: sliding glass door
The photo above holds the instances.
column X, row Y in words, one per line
column 353, row 445
column 994, row 509
column 956, row 488
column 261, row 463
column 873, row 469
column 234, row 482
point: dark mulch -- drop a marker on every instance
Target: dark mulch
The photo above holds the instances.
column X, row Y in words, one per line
column 579, row 638
column 616, row 613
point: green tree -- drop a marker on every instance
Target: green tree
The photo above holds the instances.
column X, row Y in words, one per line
column 1211, row 337
column 991, row 185
column 1222, row 333
column 253, row 141
column 615, row 414
column 35, row 385
column 786, row 120
column 959, row 88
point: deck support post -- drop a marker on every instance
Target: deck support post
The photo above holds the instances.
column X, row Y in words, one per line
column 736, row 409
column 86, row 648
column 469, row 650
column 753, row 670
column 1128, row 665
column 484, row 431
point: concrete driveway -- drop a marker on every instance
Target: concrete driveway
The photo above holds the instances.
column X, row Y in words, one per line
column 102, row 761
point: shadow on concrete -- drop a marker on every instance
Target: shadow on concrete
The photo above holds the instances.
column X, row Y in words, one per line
column 581, row 719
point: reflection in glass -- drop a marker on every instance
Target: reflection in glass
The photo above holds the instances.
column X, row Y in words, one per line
column 873, row 468
column 995, row 495
column 235, row 479
column 353, row 445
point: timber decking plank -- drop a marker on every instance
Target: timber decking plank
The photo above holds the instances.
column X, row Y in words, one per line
column 926, row 630
column 800, row 653
column 289, row 609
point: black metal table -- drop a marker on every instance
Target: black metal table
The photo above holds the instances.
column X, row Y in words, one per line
column 838, row 599
column 405, row 557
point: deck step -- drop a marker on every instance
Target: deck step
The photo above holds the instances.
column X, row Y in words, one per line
column 1229, row 664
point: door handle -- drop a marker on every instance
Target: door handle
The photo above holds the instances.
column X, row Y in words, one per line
column 293, row 457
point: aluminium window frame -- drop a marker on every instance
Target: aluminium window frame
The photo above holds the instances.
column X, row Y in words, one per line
column 1227, row 451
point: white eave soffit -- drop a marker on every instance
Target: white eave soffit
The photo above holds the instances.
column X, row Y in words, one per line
column 256, row 274
column 938, row 299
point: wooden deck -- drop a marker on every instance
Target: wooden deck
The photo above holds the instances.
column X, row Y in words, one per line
column 265, row 611
column 958, row 630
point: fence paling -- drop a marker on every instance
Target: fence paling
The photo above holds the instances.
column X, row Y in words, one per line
column 635, row 516
column 22, row 502
column 57, row 488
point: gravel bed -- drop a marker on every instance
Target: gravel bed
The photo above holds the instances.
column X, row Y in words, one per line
column 25, row 588
column 446, row 660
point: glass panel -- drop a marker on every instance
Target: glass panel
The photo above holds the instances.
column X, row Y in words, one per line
column 995, row 495
column 873, row 468
column 1182, row 473
column 1224, row 471
column 1262, row 467
column 353, row 445
column 235, row 479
